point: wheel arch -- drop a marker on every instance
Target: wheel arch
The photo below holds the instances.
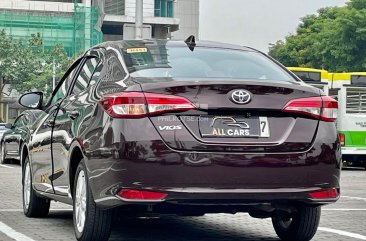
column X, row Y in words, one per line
column 24, row 152
column 75, row 158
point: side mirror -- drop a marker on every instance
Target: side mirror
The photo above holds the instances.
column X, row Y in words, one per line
column 32, row 100
column 8, row 125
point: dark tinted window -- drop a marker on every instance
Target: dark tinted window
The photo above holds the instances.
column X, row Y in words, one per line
column 63, row 89
column 308, row 76
column 214, row 63
column 19, row 121
column 111, row 74
column 26, row 119
column 96, row 75
column 82, row 81
column 358, row 80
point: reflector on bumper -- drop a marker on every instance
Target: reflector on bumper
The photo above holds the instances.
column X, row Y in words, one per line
column 324, row 194
column 137, row 195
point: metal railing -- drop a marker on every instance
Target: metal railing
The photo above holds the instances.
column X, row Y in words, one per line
column 355, row 100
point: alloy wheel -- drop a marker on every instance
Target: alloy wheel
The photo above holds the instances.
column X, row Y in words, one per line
column 80, row 201
column 26, row 186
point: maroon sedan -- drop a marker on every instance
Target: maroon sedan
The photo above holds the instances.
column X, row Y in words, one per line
column 182, row 127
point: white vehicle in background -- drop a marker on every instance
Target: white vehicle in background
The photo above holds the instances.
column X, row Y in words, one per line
column 3, row 128
column 351, row 122
column 337, row 80
column 316, row 77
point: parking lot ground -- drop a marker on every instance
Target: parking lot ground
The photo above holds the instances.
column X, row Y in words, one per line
column 345, row 220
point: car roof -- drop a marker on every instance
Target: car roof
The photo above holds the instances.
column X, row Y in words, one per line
column 172, row 43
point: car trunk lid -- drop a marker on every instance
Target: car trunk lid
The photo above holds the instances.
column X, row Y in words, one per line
column 220, row 124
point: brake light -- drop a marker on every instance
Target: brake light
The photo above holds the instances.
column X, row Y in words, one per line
column 323, row 108
column 342, row 139
column 135, row 195
column 138, row 104
column 324, row 194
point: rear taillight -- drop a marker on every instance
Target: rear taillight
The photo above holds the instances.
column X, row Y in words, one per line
column 342, row 139
column 323, row 108
column 324, row 194
column 138, row 104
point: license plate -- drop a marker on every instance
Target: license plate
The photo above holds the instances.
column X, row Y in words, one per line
column 233, row 127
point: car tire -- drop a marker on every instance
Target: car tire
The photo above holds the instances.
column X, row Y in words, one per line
column 301, row 226
column 33, row 205
column 90, row 222
column 2, row 158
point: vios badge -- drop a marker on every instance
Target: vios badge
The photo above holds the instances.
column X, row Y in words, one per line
column 240, row 97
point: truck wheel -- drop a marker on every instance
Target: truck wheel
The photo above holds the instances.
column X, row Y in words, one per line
column 33, row 205
column 90, row 222
column 300, row 226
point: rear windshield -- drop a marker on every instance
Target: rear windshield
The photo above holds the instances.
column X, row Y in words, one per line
column 212, row 63
column 308, row 76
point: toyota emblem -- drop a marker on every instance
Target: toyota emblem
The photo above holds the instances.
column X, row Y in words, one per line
column 240, row 97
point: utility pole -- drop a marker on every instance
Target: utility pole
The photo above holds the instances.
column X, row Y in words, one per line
column 139, row 18
column 54, row 75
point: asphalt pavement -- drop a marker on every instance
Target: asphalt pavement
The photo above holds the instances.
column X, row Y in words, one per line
column 345, row 220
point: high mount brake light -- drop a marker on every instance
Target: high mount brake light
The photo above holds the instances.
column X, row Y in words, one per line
column 322, row 108
column 138, row 104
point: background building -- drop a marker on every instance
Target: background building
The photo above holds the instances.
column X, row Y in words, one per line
column 73, row 24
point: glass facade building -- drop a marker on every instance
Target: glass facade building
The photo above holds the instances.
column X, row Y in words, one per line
column 164, row 8
column 115, row 7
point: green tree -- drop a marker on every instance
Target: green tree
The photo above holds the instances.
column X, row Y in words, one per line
column 10, row 57
column 333, row 39
column 27, row 67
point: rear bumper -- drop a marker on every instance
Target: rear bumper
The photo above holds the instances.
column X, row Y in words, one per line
column 353, row 151
column 228, row 197
column 209, row 178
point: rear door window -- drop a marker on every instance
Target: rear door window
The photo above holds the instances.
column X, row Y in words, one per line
column 19, row 122
column 83, row 79
column 63, row 89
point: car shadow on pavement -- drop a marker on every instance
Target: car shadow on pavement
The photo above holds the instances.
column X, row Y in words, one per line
column 164, row 228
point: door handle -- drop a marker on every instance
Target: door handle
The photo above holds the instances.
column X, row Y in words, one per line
column 73, row 114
